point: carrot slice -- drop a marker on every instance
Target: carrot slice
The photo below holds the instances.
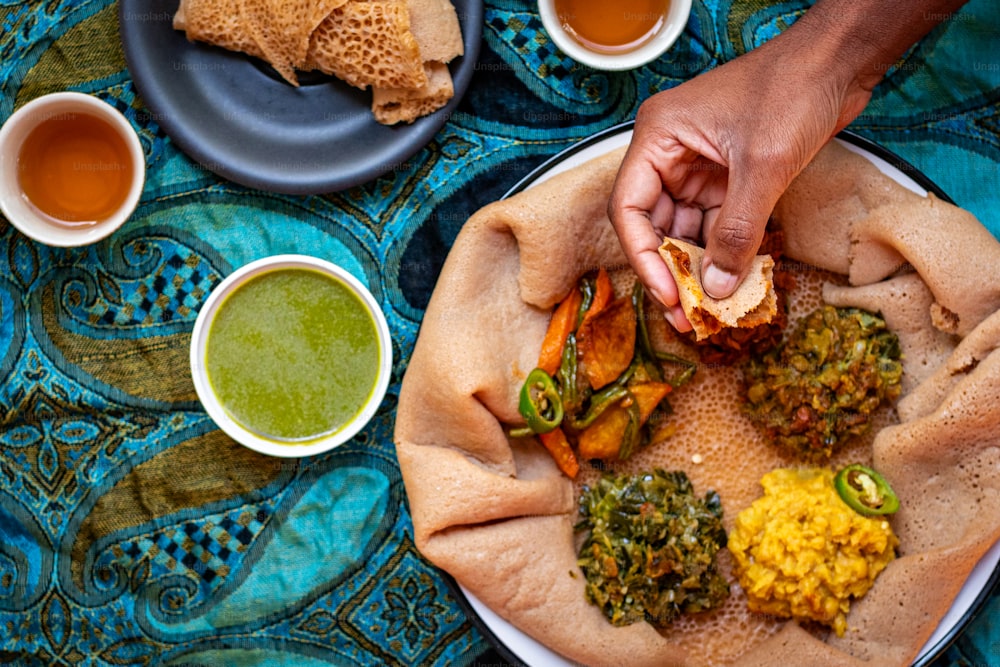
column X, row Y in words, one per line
column 604, row 292
column 606, row 342
column 648, row 395
column 562, row 324
column 555, row 441
column 603, row 439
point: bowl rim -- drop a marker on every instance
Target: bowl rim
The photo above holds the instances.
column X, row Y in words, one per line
column 676, row 20
column 16, row 129
column 199, row 372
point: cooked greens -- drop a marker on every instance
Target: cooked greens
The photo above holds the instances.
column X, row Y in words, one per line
column 821, row 385
column 650, row 551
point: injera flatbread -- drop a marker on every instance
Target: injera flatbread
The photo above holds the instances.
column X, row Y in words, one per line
column 363, row 43
column 281, row 29
column 868, row 227
column 405, row 105
column 754, row 302
column 398, row 48
column 368, row 44
column 498, row 515
column 435, row 27
column 216, row 22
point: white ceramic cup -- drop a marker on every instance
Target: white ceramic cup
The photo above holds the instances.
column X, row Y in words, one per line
column 13, row 202
column 672, row 27
column 247, row 437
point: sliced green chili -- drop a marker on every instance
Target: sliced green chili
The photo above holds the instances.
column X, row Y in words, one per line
column 638, row 303
column 587, row 290
column 599, row 402
column 865, row 491
column 569, row 388
column 540, row 404
column 633, row 430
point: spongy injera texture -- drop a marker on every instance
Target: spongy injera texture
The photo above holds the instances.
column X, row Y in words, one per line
column 281, row 29
column 405, row 105
column 368, row 44
column 219, row 23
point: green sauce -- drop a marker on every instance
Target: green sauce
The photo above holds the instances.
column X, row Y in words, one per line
column 293, row 354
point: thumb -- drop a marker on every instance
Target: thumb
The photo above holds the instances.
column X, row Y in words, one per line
column 734, row 236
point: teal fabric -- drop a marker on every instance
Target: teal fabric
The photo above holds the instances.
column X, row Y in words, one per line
column 133, row 532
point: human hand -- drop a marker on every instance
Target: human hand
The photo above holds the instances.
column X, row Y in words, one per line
column 710, row 158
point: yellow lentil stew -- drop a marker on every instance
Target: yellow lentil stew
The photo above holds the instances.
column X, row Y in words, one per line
column 801, row 552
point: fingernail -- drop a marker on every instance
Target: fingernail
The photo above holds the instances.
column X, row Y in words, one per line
column 670, row 318
column 718, row 283
column 658, row 295
column 680, row 319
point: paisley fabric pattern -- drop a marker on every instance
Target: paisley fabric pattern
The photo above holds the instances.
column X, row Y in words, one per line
column 133, row 532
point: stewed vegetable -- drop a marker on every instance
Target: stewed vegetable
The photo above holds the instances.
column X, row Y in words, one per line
column 599, row 380
column 821, row 386
column 650, row 551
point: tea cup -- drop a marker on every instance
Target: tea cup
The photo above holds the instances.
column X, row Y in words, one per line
column 668, row 28
column 57, row 139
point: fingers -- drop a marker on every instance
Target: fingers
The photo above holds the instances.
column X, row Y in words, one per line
column 641, row 244
column 638, row 208
column 652, row 270
column 687, row 223
column 729, row 251
column 733, row 234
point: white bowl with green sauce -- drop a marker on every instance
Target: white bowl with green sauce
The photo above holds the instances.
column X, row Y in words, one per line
column 291, row 355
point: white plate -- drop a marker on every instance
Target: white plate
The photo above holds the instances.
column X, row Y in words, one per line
column 516, row 645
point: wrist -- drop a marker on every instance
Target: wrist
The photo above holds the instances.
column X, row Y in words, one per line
column 858, row 41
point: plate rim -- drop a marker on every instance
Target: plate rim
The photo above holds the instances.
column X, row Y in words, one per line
column 879, row 151
column 414, row 137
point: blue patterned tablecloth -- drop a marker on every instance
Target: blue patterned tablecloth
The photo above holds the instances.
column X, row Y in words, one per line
column 133, row 532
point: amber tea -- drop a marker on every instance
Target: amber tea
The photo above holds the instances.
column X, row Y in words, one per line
column 75, row 169
column 612, row 27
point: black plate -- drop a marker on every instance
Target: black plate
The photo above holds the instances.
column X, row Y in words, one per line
column 236, row 117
